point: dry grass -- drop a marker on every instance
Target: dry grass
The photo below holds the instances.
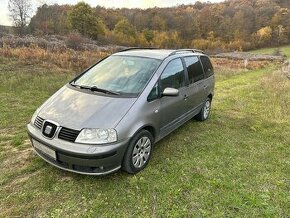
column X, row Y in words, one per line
column 277, row 85
column 226, row 68
column 67, row 59
column 240, row 64
column 77, row 60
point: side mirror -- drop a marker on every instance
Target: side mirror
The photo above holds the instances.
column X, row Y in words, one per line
column 170, row 92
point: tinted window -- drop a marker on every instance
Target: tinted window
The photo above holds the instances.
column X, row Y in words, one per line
column 194, row 69
column 154, row 94
column 173, row 75
column 207, row 66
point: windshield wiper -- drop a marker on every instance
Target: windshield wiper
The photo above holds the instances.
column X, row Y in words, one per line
column 95, row 89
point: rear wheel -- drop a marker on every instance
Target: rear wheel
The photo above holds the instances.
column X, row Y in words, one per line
column 204, row 112
column 138, row 152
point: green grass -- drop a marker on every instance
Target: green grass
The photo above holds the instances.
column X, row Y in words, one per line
column 236, row 164
column 284, row 49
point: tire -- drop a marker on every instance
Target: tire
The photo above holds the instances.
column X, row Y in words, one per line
column 205, row 111
column 138, row 152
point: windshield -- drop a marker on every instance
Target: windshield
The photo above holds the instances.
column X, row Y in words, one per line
column 120, row 74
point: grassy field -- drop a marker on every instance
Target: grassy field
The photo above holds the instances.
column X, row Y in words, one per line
column 236, row 164
column 284, row 49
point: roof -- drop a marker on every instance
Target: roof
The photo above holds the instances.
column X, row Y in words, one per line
column 149, row 53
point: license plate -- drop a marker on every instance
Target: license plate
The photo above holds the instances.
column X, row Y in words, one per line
column 44, row 149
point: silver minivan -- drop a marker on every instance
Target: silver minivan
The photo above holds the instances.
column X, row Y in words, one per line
column 110, row 115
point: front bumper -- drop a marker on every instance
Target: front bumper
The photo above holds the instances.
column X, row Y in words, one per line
column 80, row 158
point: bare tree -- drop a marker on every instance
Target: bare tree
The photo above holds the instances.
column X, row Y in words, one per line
column 20, row 12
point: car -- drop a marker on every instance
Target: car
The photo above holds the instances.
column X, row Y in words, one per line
column 110, row 116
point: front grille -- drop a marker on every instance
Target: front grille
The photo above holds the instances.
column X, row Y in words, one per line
column 38, row 122
column 68, row 134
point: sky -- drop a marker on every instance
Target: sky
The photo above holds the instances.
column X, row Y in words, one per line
column 5, row 19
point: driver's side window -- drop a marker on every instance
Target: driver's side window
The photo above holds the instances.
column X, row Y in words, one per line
column 173, row 75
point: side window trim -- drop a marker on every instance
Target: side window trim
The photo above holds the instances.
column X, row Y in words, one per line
column 204, row 74
column 185, row 72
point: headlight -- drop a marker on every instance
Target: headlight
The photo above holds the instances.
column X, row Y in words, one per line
column 97, row 136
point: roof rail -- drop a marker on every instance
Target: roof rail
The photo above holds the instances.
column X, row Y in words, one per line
column 136, row 48
column 186, row 50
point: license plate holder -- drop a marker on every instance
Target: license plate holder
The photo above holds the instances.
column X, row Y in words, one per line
column 44, row 149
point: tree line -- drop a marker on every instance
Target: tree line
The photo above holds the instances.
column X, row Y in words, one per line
column 230, row 25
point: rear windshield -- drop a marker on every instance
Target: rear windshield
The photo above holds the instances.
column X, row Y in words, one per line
column 121, row 74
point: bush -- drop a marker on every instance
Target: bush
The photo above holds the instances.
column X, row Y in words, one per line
column 74, row 41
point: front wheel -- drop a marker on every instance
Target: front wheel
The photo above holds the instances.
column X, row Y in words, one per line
column 138, row 152
column 205, row 110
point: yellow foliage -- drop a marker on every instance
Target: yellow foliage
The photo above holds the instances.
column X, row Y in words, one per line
column 123, row 39
column 141, row 40
column 264, row 33
column 167, row 40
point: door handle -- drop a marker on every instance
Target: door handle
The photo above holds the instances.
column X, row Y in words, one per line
column 205, row 86
column 185, row 97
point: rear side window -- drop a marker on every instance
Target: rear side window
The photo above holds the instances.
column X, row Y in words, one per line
column 194, row 69
column 207, row 66
column 173, row 75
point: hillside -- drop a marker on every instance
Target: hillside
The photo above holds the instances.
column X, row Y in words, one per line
column 230, row 25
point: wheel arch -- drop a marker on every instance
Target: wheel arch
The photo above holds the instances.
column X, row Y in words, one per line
column 210, row 96
column 150, row 129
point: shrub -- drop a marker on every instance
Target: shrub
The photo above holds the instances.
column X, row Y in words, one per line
column 74, row 41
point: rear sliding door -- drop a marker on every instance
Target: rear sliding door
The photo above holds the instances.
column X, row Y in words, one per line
column 196, row 86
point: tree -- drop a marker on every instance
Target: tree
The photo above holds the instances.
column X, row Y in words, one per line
column 124, row 27
column 280, row 24
column 83, row 20
column 50, row 19
column 149, row 35
column 264, row 35
column 124, row 33
column 158, row 23
column 20, row 12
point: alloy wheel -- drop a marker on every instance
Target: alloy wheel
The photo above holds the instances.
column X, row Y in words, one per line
column 141, row 152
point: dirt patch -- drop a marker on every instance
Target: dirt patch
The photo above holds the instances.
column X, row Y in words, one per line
column 21, row 179
column 18, row 158
column 250, row 57
column 239, row 63
column 286, row 69
column 8, row 131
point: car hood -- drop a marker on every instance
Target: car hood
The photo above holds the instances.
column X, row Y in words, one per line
column 76, row 109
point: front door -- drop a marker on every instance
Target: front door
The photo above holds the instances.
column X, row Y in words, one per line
column 172, row 109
